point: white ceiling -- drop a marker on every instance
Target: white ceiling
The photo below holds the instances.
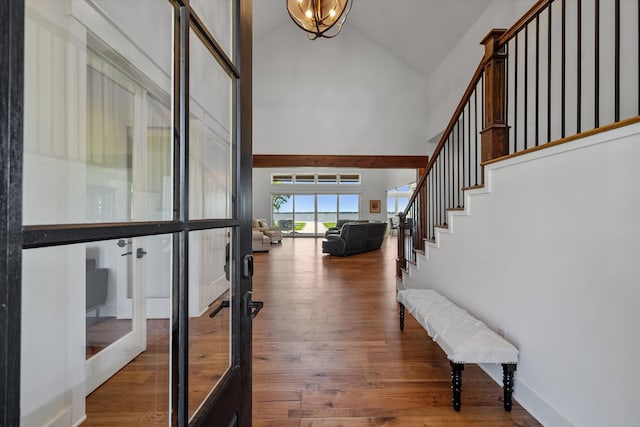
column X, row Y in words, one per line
column 418, row 32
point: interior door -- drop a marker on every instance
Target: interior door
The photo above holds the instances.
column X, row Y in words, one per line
column 116, row 190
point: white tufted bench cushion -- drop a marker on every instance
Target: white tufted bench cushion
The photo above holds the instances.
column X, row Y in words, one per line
column 463, row 338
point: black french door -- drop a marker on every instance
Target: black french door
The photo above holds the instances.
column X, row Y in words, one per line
column 126, row 204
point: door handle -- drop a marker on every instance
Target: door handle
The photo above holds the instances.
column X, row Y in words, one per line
column 251, row 307
column 223, row 304
column 247, row 266
column 121, row 243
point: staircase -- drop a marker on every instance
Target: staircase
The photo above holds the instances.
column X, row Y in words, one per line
column 526, row 216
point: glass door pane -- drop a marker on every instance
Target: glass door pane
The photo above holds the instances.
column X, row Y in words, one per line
column 97, row 148
column 210, row 317
column 210, row 190
column 348, row 206
column 304, row 215
column 327, row 212
column 282, row 205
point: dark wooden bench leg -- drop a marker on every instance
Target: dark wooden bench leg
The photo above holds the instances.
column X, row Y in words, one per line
column 456, row 384
column 401, row 316
column 507, row 378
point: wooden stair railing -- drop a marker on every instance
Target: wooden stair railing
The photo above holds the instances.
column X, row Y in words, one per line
column 536, row 86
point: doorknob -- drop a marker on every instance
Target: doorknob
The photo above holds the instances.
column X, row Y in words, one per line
column 140, row 253
column 251, row 307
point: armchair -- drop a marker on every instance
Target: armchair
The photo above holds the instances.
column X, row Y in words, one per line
column 274, row 233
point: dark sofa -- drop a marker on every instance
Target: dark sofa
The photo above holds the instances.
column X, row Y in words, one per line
column 354, row 238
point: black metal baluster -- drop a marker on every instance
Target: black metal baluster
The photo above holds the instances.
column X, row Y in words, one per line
column 460, row 162
column 450, row 182
column 481, row 121
column 515, row 96
column 537, row 99
column 596, row 118
column 441, row 165
column 549, row 76
column 579, row 67
column 506, row 97
column 468, row 175
column 445, row 178
column 617, row 61
column 526, row 83
column 564, row 70
column 430, row 205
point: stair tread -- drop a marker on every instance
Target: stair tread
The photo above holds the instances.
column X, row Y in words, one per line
column 473, row 187
column 455, row 209
column 441, row 226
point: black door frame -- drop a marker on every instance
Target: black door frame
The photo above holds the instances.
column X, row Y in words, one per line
column 11, row 107
column 14, row 237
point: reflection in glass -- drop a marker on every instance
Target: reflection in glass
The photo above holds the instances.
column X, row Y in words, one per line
column 139, row 387
column 217, row 16
column 209, row 135
column 210, row 318
column 97, row 148
column 101, row 313
column 108, row 289
column 97, row 134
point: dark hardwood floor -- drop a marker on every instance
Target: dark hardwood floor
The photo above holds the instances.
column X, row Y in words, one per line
column 328, row 350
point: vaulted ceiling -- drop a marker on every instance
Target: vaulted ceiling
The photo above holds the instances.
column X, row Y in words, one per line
column 418, row 32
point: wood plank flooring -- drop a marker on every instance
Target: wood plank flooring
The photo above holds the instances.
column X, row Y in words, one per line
column 328, row 351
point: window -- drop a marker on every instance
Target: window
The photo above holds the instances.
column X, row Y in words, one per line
column 305, row 179
column 309, row 178
column 350, row 179
column 327, row 179
column 397, row 198
column 312, row 214
column 282, row 179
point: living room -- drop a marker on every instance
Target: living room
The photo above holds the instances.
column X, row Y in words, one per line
column 315, row 204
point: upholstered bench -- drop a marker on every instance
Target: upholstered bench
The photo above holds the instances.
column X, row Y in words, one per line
column 462, row 337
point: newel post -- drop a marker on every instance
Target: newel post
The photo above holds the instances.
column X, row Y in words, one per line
column 494, row 126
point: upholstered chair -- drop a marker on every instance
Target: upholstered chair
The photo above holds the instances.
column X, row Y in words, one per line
column 274, row 233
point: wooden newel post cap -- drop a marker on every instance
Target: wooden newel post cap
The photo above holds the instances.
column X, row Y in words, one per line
column 490, row 42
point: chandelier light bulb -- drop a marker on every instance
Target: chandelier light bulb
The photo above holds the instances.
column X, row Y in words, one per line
column 319, row 18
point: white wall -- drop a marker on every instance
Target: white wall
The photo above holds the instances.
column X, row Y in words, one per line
column 447, row 83
column 343, row 96
column 375, row 183
column 551, row 258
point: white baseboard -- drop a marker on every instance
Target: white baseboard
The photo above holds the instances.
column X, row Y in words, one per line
column 540, row 409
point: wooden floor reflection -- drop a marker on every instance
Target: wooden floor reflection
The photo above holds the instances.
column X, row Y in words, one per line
column 138, row 395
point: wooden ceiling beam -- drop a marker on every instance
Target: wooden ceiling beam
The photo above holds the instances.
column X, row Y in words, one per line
column 338, row 161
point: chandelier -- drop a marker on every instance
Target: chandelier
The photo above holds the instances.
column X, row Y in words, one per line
column 319, row 18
